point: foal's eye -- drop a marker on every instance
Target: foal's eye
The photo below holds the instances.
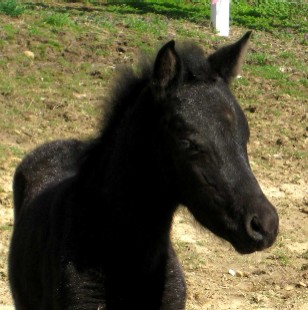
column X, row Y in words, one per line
column 185, row 144
column 188, row 145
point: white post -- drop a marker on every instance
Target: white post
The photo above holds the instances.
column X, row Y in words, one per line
column 220, row 13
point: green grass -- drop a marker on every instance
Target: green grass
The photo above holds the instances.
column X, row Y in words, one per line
column 10, row 31
column 6, row 86
column 281, row 257
column 11, row 8
column 260, row 59
column 270, row 72
column 34, row 30
column 269, row 15
column 58, row 19
column 6, row 227
column 152, row 24
column 287, row 55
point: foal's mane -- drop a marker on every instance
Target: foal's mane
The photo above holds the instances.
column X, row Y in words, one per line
column 129, row 82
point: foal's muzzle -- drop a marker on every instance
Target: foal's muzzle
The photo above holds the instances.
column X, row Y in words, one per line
column 261, row 228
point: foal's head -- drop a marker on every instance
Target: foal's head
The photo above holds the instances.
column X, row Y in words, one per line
column 205, row 134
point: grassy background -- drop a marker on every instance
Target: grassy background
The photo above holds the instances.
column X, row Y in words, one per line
column 269, row 15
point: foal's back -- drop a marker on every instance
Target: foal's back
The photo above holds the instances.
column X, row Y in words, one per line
column 46, row 165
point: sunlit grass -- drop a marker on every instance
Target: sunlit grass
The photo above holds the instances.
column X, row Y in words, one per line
column 11, row 8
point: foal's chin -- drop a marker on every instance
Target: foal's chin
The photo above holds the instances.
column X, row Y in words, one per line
column 248, row 246
column 246, row 249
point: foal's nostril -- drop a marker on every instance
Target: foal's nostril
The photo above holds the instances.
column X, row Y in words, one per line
column 254, row 229
column 255, row 225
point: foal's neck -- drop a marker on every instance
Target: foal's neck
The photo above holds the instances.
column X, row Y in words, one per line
column 125, row 176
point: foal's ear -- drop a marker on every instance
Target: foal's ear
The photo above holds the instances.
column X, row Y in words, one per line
column 167, row 68
column 227, row 61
